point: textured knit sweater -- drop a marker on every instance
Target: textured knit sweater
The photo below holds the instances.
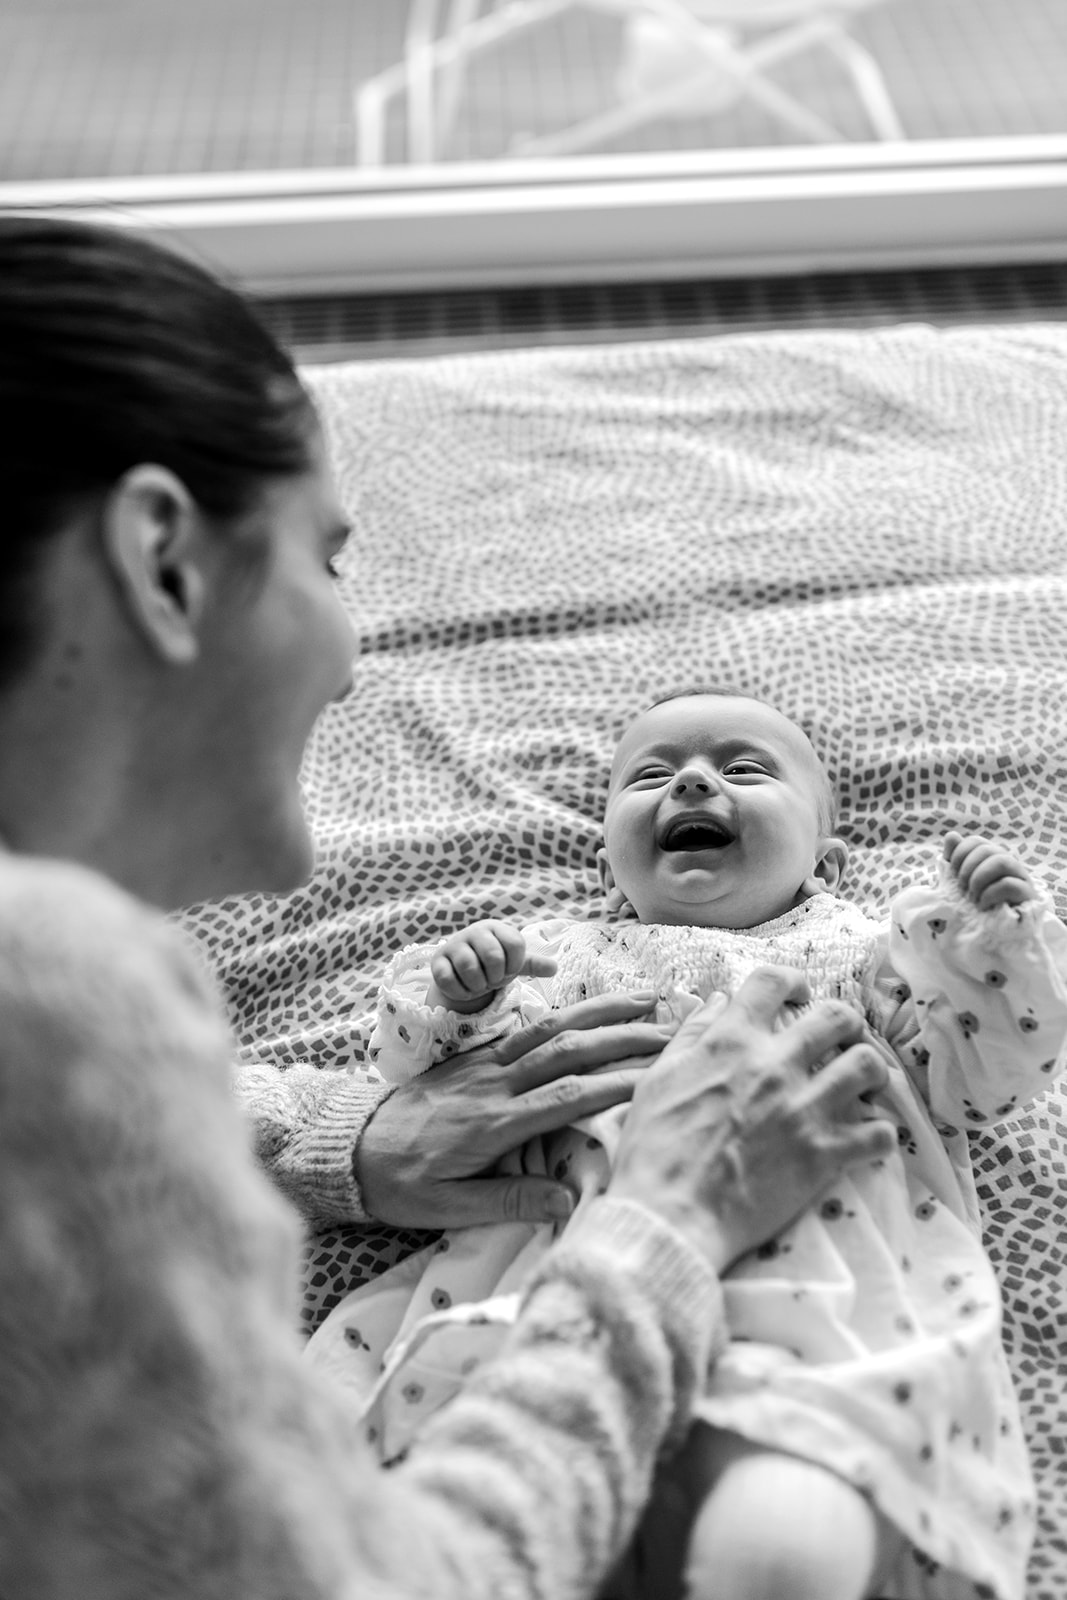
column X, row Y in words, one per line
column 160, row 1435
column 306, row 1126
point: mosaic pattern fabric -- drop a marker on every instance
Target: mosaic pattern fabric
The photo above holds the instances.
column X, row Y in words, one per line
column 867, row 528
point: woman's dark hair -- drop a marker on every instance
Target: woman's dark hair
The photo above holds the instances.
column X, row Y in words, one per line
column 115, row 351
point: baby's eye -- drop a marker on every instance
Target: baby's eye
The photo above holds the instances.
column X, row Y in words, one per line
column 744, row 767
column 650, row 775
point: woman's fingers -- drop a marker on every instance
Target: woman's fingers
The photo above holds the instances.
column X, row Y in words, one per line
column 563, row 1100
column 424, row 1154
column 765, row 991
column 858, row 1071
column 584, row 1014
column 510, row 1199
column 761, row 1000
column 573, row 1054
column 855, row 1132
column 870, row 1139
column 829, row 1026
column 731, row 1132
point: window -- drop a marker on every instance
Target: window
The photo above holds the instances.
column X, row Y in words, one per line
column 239, row 127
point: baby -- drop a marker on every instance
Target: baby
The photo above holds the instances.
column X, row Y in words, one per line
column 859, row 1436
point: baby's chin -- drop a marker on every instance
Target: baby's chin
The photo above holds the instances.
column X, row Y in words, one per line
column 695, row 913
column 695, row 910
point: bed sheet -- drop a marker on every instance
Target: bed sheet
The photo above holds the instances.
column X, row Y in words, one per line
column 868, row 528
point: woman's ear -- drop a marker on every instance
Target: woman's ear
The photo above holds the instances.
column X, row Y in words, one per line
column 831, row 859
column 151, row 537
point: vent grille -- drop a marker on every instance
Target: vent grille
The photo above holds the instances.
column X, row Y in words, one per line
column 339, row 327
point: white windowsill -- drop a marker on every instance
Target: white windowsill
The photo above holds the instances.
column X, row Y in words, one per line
column 798, row 209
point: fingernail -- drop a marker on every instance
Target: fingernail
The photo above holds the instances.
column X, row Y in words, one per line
column 645, row 996
column 560, row 1204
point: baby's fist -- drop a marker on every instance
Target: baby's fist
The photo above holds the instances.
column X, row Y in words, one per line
column 469, row 967
column 988, row 875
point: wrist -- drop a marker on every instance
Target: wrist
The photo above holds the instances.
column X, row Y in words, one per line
column 376, row 1160
column 639, row 1240
column 702, row 1231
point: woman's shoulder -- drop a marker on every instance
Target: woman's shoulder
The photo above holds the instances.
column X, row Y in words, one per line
column 37, row 890
column 116, row 1058
column 73, row 944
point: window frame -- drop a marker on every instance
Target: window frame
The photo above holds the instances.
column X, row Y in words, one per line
column 927, row 203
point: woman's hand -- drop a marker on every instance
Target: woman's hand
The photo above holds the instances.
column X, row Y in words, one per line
column 730, row 1135
column 422, row 1160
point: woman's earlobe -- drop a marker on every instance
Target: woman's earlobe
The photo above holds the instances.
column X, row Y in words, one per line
column 149, row 537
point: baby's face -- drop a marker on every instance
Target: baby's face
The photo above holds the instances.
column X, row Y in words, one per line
column 715, row 814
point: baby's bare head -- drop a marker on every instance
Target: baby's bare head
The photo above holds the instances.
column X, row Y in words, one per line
column 719, row 812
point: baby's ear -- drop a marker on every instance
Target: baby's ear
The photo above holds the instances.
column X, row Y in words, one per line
column 615, row 901
column 831, row 859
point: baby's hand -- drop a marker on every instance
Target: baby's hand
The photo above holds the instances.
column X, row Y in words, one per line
column 469, row 967
column 988, row 875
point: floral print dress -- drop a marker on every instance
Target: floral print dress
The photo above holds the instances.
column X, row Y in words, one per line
column 866, row 1336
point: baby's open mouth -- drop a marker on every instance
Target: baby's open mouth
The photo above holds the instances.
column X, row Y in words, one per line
column 690, row 833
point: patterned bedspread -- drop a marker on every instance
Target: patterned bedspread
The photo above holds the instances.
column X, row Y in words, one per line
column 868, row 528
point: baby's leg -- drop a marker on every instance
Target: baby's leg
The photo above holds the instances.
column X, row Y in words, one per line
column 775, row 1527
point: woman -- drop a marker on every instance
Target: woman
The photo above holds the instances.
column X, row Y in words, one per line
column 169, row 636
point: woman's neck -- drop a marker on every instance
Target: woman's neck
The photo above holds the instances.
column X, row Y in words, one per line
column 65, row 784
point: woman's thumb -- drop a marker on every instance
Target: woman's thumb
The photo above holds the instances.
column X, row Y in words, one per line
column 517, row 1199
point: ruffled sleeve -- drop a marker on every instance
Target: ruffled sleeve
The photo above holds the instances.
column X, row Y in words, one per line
column 988, row 994
column 410, row 1035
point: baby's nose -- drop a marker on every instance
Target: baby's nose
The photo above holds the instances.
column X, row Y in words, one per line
column 694, row 780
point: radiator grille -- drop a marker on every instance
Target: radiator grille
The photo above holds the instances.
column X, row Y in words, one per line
column 340, row 327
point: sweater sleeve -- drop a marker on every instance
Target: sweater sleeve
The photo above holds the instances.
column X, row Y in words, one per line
column 159, row 1431
column 545, row 1459
column 306, row 1125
